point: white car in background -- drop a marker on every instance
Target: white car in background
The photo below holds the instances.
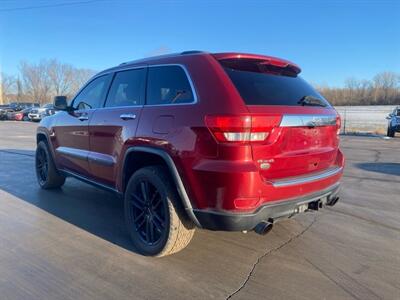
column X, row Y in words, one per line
column 37, row 114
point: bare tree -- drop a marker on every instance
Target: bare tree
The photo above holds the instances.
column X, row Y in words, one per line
column 60, row 76
column 80, row 77
column 385, row 85
column 36, row 82
column 7, row 87
column 42, row 81
column 383, row 89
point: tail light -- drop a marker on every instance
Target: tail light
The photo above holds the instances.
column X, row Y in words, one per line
column 242, row 129
column 338, row 124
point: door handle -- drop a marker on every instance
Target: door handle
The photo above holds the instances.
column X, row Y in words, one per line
column 83, row 118
column 128, row 116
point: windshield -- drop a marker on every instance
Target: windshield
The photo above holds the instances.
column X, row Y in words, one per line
column 269, row 89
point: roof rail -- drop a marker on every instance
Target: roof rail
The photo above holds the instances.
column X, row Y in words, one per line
column 164, row 55
column 191, row 52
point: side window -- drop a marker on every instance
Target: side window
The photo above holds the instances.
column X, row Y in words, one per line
column 92, row 96
column 168, row 85
column 127, row 88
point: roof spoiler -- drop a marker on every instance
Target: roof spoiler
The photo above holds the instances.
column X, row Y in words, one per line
column 260, row 60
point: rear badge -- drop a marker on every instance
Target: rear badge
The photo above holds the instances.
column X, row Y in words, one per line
column 265, row 164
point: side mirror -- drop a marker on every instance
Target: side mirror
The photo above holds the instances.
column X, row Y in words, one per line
column 389, row 116
column 60, row 103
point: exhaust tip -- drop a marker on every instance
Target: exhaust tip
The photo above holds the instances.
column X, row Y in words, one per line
column 315, row 205
column 333, row 201
column 263, row 228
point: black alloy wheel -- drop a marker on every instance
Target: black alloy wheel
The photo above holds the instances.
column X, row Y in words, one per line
column 155, row 218
column 42, row 166
column 149, row 212
column 47, row 174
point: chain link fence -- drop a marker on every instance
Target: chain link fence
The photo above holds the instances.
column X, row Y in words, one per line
column 364, row 119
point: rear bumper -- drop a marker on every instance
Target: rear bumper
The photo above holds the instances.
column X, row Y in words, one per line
column 233, row 186
column 228, row 221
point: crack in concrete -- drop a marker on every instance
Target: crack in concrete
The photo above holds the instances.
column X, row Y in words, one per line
column 377, row 155
column 250, row 274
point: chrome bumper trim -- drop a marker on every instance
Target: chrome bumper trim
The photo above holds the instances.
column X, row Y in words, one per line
column 306, row 179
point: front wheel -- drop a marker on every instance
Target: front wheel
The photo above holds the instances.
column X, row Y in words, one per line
column 154, row 215
column 47, row 174
column 390, row 132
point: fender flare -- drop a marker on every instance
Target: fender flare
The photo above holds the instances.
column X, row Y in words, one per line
column 175, row 175
column 49, row 144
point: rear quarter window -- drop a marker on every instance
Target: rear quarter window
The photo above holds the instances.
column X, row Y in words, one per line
column 168, row 85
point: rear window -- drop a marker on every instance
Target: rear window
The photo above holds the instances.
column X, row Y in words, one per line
column 258, row 88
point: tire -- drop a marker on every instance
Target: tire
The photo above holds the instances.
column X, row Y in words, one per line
column 47, row 174
column 25, row 118
column 154, row 214
column 390, row 132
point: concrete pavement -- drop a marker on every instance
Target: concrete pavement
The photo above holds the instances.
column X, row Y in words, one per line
column 72, row 243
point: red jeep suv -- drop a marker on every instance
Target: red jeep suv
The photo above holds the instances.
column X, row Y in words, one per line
column 224, row 141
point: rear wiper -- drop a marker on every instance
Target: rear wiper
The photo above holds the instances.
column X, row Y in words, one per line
column 311, row 101
column 178, row 95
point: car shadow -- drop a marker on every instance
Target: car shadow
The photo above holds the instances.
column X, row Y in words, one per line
column 214, row 262
column 379, row 167
column 96, row 211
column 101, row 213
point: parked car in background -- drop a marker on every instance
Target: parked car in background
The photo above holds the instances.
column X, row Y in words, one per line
column 21, row 115
column 17, row 106
column 7, row 111
column 14, row 106
column 15, row 115
column 3, row 112
column 393, row 122
column 37, row 114
column 224, row 141
column 24, row 105
column 26, row 113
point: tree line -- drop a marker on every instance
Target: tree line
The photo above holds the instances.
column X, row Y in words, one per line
column 40, row 82
column 383, row 89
